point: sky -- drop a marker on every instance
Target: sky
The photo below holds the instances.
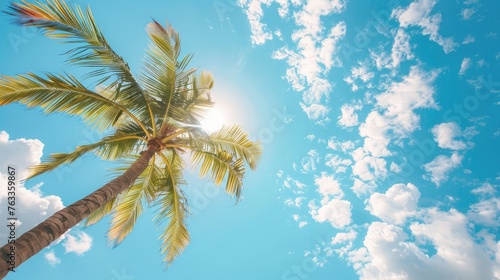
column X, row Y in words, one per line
column 379, row 126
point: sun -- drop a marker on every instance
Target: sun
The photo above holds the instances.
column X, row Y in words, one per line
column 213, row 120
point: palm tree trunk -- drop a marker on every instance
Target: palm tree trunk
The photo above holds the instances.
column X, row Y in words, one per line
column 42, row 235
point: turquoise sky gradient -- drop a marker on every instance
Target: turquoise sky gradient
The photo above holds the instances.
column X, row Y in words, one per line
column 379, row 121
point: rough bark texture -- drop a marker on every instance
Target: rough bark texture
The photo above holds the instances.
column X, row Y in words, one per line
column 39, row 237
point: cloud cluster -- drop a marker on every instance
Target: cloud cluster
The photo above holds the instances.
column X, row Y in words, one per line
column 419, row 13
column 333, row 209
column 32, row 206
column 437, row 244
column 313, row 54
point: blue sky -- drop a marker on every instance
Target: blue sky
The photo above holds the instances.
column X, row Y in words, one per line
column 380, row 133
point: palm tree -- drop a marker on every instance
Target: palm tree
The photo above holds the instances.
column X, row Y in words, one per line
column 152, row 123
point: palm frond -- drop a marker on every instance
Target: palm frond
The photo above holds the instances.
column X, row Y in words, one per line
column 192, row 101
column 172, row 208
column 63, row 94
column 130, row 206
column 109, row 147
column 60, row 21
column 218, row 166
column 234, row 139
column 159, row 76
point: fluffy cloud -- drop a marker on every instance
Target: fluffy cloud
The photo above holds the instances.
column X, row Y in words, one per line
column 469, row 39
column 254, row 12
column 51, row 258
column 467, row 13
column 485, row 189
column 33, row 206
column 486, row 212
column 418, row 13
column 338, row 164
column 328, row 186
column 397, row 105
column 363, row 188
column 337, row 212
column 389, row 253
column 445, row 135
column 332, row 209
column 466, row 62
column 315, row 47
column 401, row 49
column 310, row 161
column 21, row 152
column 345, row 239
column 369, row 168
column 438, row 169
column 398, row 203
column 78, row 243
column 361, row 73
column 315, row 111
column 349, row 117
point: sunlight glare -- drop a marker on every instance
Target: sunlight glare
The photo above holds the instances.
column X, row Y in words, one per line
column 212, row 121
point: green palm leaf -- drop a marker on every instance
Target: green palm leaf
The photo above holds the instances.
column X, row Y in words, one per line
column 109, row 147
column 63, row 94
column 234, row 139
column 218, row 166
column 172, row 208
column 60, row 21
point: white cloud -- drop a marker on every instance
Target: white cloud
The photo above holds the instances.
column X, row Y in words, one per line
column 369, row 168
column 374, row 130
column 381, row 59
column 328, row 186
column 418, row 13
column 398, row 104
column 467, row 13
column 389, row 253
column 51, row 258
column 343, row 146
column 314, row 53
column 395, row 167
column 466, row 62
column 363, row 188
column 445, row 135
column 349, row 117
column 486, row 212
column 21, row 152
column 361, row 73
column 254, row 12
column 337, row 212
column 295, row 202
column 343, row 237
column 310, row 137
column 401, row 50
column 441, row 166
column 402, row 98
column 315, row 111
column 469, row 39
column 338, row 164
column 396, row 205
column 310, row 161
column 485, row 189
column 78, row 243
